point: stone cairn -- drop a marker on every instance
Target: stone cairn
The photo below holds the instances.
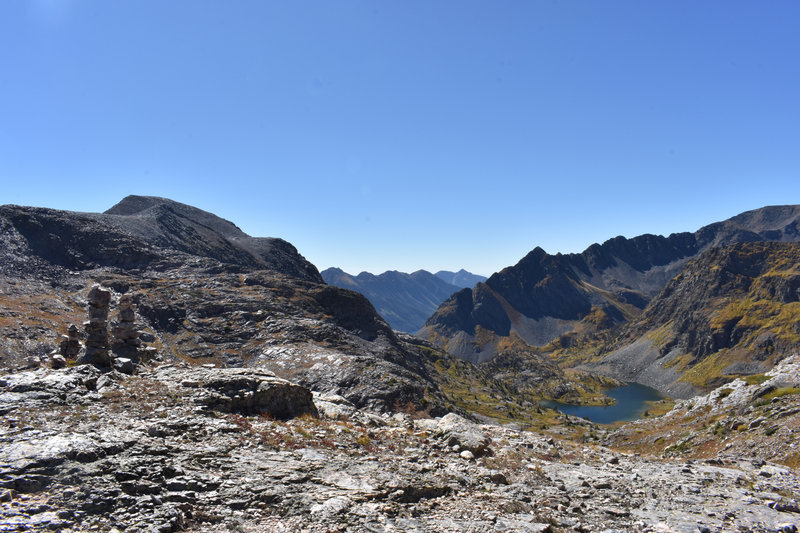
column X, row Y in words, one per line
column 126, row 336
column 126, row 346
column 97, row 348
column 69, row 347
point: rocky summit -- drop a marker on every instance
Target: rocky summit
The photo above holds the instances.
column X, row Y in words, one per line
column 163, row 371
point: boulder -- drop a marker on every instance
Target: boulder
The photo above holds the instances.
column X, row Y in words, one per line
column 460, row 434
column 248, row 391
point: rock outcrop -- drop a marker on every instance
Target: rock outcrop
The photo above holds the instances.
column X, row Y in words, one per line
column 245, row 391
column 81, row 450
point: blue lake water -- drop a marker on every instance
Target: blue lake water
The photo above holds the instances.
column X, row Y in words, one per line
column 630, row 405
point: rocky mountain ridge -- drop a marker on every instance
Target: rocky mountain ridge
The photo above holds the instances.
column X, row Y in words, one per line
column 734, row 310
column 547, row 301
column 205, row 293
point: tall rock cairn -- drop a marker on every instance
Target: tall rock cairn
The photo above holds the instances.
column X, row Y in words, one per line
column 97, row 348
column 126, row 336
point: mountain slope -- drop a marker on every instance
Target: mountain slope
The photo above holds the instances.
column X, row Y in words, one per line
column 732, row 311
column 546, row 296
column 403, row 300
column 205, row 292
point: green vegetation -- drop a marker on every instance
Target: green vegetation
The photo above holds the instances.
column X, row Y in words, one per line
column 780, row 392
column 474, row 391
column 658, row 408
column 755, row 379
column 759, row 316
column 710, row 372
column 724, row 393
column 681, row 363
column 661, row 336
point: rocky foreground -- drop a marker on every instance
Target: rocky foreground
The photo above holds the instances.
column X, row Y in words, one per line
column 206, row 449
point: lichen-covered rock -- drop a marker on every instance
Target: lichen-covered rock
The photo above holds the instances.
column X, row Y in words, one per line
column 334, row 406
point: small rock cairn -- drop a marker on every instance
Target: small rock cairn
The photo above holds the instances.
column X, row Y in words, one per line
column 70, row 345
column 97, row 347
column 126, row 336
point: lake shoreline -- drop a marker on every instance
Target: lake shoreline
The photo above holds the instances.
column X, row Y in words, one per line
column 630, row 403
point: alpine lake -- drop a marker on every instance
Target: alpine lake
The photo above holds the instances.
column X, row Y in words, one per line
column 630, row 404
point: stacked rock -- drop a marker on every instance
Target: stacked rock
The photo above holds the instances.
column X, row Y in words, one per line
column 96, row 329
column 70, row 345
column 126, row 336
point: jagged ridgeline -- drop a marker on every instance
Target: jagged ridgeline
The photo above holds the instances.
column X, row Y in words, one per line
column 732, row 311
column 571, row 308
column 205, row 292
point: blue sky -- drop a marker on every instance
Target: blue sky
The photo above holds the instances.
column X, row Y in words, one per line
column 406, row 135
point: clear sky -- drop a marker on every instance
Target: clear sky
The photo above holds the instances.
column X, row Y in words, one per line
column 379, row 135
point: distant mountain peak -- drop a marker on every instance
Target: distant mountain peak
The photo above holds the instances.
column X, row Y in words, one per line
column 462, row 279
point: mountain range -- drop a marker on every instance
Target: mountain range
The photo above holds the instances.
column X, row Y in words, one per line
column 207, row 293
column 264, row 399
column 683, row 313
column 570, row 306
column 405, row 301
